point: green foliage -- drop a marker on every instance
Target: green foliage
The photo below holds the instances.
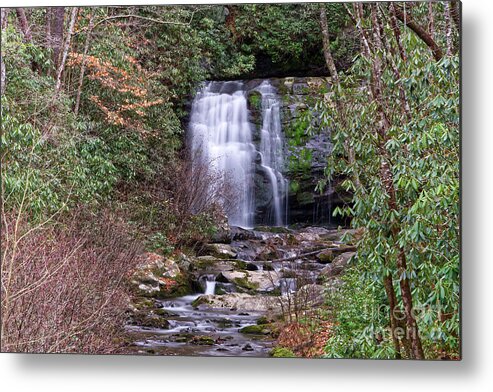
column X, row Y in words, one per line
column 288, row 35
column 359, row 321
column 423, row 154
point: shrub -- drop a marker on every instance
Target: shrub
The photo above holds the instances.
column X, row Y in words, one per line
column 63, row 284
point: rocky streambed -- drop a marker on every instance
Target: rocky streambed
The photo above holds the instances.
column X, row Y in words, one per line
column 232, row 298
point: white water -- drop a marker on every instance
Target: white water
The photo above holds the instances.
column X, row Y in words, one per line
column 272, row 151
column 221, row 132
column 210, row 287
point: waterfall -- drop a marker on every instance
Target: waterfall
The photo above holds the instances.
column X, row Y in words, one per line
column 210, row 287
column 208, row 283
column 220, row 131
column 272, row 151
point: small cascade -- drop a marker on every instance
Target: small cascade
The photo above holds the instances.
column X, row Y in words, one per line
column 210, row 287
column 209, row 284
column 272, row 151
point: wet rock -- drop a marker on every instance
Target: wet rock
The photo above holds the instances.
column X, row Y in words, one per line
column 264, row 280
column 256, row 330
column 247, row 347
column 240, row 302
column 149, row 320
column 329, row 255
column 154, row 275
column 326, row 256
column 221, row 251
column 241, row 234
column 338, row 265
column 203, row 340
column 251, row 280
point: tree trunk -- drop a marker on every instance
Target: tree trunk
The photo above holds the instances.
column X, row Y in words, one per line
column 3, row 74
column 390, row 54
column 455, row 11
column 329, row 60
column 26, row 32
column 24, row 25
column 58, row 20
column 407, row 19
column 48, row 22
column 83, row 65
column 397, row 32
column 66, row 47
column 448, row 28
column 431, row 20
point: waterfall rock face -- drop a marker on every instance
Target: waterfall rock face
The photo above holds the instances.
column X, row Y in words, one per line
column 221, row 133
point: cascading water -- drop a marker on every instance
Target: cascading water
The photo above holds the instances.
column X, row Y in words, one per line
column 220, row 131
column 222, row 135
column 272, row 151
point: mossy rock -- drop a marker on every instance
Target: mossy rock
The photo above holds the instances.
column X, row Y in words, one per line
column 200, row 301
column 326, row 256
column 143, row 303
column 202, row 340
column 282, row 352
column 262, row 329
column 254, row 100
column 246, row 284
column 204, row 262
column 240, row 264
column 150, row 321
column 163, row 313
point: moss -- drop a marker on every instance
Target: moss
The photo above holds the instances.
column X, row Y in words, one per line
column 305, row 198
column 241, row 265
column 256, row 329
column 200, row 301
column 245, row 283
column 202, row 340
column 282, row 352
column 143, row 303
column 326, row 256
column 255, row 100
column 262, row 321
column 163, row 313
column 203, row 262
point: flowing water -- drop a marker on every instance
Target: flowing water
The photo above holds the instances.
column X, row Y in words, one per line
column 272, row 151
column 204, row 332
column 221, row 133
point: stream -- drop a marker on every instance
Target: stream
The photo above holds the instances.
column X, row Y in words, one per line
column 267, row 272
column 193, row 332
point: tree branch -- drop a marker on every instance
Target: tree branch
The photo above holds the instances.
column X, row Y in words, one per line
column 407, row 19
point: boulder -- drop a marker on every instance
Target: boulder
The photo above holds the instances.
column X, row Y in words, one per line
column 240, row 302
column 149, row 320
column 328, row 255
column 221, row 251
column 260, row 281
column 338, row 265
column 157, row 276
